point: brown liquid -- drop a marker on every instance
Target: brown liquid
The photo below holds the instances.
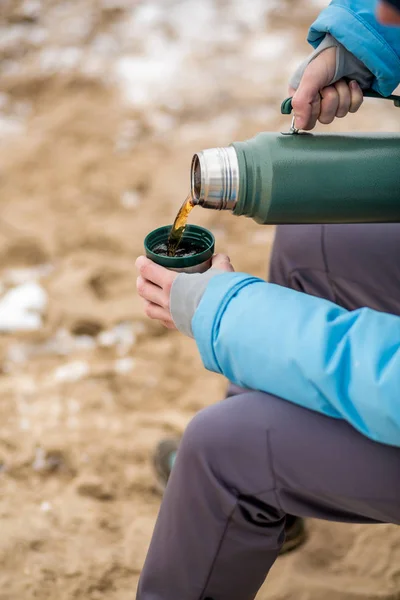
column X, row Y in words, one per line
column 179, row 225
column 185, row 250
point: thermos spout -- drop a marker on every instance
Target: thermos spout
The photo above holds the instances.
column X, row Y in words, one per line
column 214, row 178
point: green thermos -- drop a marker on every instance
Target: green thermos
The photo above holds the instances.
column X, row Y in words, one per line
column 302, row 177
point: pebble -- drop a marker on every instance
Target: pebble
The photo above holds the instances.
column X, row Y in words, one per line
column 93, row 487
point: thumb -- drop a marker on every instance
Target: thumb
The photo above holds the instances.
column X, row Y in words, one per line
column 307, row 101
column 222, row 261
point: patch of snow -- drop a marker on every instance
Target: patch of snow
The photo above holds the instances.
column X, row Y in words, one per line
column 104, row 45
column 4, row 99
column 60, row 59
column 74, row 406
column 12, row 37
column 11, row 126
column 45, row 507
column 268, row 47
column 172, row 38
column 61, row 343
column 122, row 336
column 72, row 423
column 24, row 424
column 31, row 8
column 17, row 354
column 145, row 78
column 124, row 365
column 119, row 4
column 82, row 342
column 21, row 308
column 160, row 122
column 127, row 136
column 37, row 36
column 18, row 276
column 71, row 372
column 130, row 199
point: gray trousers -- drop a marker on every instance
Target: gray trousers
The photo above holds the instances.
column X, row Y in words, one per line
column 248, row 461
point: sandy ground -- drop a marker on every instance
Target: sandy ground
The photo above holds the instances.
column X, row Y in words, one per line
column 102, row 104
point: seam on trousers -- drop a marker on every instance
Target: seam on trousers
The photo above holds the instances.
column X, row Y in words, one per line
column 228, row 522
column 271, row 466
column 229, row 519
column 325, row 259
column 274, row 487
column 274, row 479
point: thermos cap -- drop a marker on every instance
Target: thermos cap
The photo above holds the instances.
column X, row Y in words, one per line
column 214, row 178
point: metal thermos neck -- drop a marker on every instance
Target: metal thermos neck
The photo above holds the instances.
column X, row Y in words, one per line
column 214, row 178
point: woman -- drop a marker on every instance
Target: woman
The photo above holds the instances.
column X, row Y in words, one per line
column 320, row 346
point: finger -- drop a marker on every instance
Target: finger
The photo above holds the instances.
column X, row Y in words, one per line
column 307, row 101
column 140, row 261
column 222, row 261
column 151, row 292
column 329, row 104
column 317, row 75
column 344, row 94
column 357, row 97
column 153, row 311
column 306, row 107
column 155, row 273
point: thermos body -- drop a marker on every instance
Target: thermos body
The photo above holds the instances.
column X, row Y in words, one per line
column 303, row 178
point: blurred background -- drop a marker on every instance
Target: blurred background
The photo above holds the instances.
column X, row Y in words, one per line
column 102, row 104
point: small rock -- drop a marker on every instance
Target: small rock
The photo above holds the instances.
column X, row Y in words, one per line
column 93, row 487
column 86, row 327
column 51, row 461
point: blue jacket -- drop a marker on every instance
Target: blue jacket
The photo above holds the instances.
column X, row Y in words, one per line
column 344, row 364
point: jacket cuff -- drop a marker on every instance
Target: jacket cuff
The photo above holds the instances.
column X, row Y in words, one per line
column 186, row 293
column 347, row 65
column 364, row 42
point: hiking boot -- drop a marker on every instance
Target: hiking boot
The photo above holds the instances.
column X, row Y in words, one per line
column 295, row 534
column 163, row 461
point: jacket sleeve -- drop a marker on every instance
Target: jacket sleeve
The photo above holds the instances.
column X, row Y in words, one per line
column 354, row 25
column 344, row 364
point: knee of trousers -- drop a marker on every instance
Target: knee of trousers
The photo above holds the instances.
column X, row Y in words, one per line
column 229, row 442
column 296, row 248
